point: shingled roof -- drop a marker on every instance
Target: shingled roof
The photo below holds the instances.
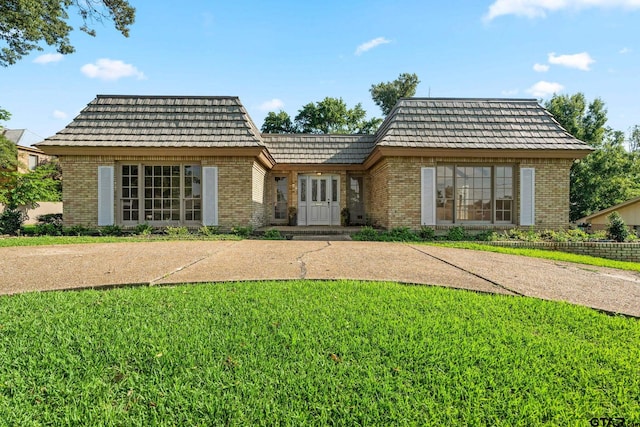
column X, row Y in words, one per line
column 160, row 121
column 215, row 121
column 319, row 149
column 444, row 123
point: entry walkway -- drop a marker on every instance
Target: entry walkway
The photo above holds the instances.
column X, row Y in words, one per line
column 24, row 269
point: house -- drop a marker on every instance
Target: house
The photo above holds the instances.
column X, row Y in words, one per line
column 28, row 157
column 629, row 211
column 170, row 160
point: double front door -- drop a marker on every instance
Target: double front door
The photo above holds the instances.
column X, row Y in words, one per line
column 318, row 200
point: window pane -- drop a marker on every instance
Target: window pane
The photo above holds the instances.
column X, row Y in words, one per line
column 504, row 193
column 281, row 198
column 334, row 190
column 444, row 193
column 323, row 190
column 473, row 193
column 314, row 190
column 303, row 189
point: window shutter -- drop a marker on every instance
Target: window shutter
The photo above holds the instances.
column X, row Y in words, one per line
column 210, row 195
column 428, row 196
column 527, row 196
column 105, row 195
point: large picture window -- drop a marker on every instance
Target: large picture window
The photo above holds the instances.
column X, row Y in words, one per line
column 161, row 193
column 474, row 194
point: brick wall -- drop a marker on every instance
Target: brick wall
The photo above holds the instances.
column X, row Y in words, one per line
column 377, row 194
column 395, row 189
column 615, row 251
column 239, row 187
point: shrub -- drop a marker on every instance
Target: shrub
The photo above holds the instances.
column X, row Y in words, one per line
column 456, row 234
column 242, row 231
column 176, row 231
column 55, row 218
column 486, row 236
column 48, row 229
column 11, row 220
column 272, row 234
column 209, row 230
column 401, row 234
column 78, row 230
column 144, row 229
column 366, row 233
column 111, row 230
column 427, row 233
column 616, row 228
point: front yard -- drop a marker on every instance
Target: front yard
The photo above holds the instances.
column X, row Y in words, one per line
column 302, row 352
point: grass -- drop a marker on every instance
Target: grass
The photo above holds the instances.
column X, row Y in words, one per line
column 545, row 254
column 68, row 240
column 311, row 353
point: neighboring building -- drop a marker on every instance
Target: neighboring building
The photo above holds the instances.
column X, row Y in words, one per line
column 629, row 211
column 28, row 157
column 168, row 160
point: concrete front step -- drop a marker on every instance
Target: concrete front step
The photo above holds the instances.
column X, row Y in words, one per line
column 323, row 238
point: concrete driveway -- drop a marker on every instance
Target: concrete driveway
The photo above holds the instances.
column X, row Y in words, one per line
column 24, row 269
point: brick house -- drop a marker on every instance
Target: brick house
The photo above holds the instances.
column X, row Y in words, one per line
column 168, row 160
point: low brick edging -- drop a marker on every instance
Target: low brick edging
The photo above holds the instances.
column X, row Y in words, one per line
column 610, row 250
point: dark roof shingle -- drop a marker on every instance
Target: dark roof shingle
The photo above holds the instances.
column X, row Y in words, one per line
column 160, row 121
column 319, row 149
column 474, row 123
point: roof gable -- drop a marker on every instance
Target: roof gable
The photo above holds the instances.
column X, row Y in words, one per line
column 446, row 123
column 160, row 121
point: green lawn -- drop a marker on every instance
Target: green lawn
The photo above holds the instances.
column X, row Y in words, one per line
column 545, row 254
column 68, row 240
column 311, row 352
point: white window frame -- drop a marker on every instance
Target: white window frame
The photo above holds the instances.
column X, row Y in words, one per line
column 141, row 196
column 456, row 221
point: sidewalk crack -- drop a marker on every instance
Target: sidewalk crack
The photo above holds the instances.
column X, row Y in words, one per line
column 303, row 265
column 494, row 283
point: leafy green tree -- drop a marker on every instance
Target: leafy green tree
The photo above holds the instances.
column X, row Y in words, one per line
column 634, row 139
column 8, row 150
column 386, row 95
column 331, row 115
column 24, row 24
column 27, row 189
column 587, row 123
column 610, row 174
column 279, row 122
column 606, row 177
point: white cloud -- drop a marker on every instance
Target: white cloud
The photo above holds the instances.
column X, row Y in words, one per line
column 61, row 115
column 48, row 58
column 371, row 44
column 581, row 61
column 539, row 8
column 540, row 68
column 110, row 69
column 510, row 92
column 624, row 51
column 544, row 89
column 271, row 105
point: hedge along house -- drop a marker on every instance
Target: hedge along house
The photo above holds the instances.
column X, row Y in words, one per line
column 192, row 161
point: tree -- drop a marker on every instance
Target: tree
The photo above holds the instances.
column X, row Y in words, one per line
column 8, row 150
column 634, row 139
column 606, row 177
column 586, row 124
column 331, row 115
column 610, row 174
column 279, row 122
column 24, row 24
column 386, row 95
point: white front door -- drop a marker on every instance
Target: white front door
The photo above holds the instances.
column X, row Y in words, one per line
column 318, row 200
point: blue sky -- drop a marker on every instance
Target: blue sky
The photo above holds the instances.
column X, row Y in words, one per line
column 283, row 54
